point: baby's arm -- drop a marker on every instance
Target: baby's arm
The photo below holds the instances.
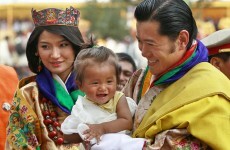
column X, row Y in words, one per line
column 123, row 122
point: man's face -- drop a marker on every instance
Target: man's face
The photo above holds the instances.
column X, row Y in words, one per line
column 160, row 51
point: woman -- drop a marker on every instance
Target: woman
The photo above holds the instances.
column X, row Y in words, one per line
column 43, row 101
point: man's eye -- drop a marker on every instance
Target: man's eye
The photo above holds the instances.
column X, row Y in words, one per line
column 150, row 44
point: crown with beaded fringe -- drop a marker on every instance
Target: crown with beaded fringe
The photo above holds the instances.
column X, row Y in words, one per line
column 54, row 16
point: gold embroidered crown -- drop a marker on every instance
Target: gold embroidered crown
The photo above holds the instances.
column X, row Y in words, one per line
column 54, row 16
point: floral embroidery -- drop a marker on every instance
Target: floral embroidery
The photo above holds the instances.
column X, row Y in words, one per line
column 21, row 130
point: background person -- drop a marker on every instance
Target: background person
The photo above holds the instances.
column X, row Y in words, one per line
column 8, row 85
column 43, row 101
column 218, row 44
column 5, row 53
column 182, row 99
column 128, row 67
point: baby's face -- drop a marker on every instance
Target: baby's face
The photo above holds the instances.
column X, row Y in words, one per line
column 99, row 82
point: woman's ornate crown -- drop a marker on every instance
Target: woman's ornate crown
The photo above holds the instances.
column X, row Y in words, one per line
column 54, row 16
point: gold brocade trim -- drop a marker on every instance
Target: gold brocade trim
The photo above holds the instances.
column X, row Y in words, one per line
column 146, row 83
column 224, row 50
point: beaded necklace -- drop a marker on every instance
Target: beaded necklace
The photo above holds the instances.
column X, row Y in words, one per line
column 51, row 121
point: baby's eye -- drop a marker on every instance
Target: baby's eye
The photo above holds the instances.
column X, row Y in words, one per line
column 110, row 81
column 94, row 83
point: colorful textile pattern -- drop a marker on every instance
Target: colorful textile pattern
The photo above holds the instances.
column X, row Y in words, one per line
column 54, row 16
column 27, row 123
column 24, row 128
column 48, row 88
column 177, row 139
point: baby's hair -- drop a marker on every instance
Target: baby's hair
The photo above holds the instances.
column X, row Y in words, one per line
column 96, row 54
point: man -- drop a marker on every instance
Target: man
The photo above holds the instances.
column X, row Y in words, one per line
column 128, row 67
column 8, row 84
column 183, row 101
column 218, row 44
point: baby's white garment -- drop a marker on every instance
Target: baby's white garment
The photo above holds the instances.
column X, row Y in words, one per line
column 116, row 141
column 84, row 111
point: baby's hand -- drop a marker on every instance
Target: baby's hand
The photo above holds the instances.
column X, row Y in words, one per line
column 83, row 130
column 94, row 131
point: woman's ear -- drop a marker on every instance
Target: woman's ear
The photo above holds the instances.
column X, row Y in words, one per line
column 36, row 54
column 183, row 39
column 215, row 61
column 79, row 85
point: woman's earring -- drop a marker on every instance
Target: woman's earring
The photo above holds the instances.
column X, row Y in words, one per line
column 39, row 65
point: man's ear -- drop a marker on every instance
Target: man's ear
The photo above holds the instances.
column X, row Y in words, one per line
column 183, row 39
column 215, row 61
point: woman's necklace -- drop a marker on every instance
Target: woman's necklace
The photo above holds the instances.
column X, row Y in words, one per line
column 51, row 121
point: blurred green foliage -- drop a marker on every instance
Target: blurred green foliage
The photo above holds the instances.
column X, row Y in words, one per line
column 107, row 20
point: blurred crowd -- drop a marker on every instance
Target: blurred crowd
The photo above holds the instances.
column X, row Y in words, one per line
column 12, row 46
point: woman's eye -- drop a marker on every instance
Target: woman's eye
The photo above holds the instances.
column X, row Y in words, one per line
column 64, row 44
column 44, row 46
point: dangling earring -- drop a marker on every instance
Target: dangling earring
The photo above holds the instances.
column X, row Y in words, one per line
column 39, row 65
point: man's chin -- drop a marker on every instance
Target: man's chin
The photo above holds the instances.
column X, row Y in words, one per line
column 154, row 71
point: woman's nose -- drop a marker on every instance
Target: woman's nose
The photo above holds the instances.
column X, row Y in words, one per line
column 55, row 53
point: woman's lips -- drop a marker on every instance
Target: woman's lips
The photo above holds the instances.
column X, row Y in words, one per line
column 56, row 64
